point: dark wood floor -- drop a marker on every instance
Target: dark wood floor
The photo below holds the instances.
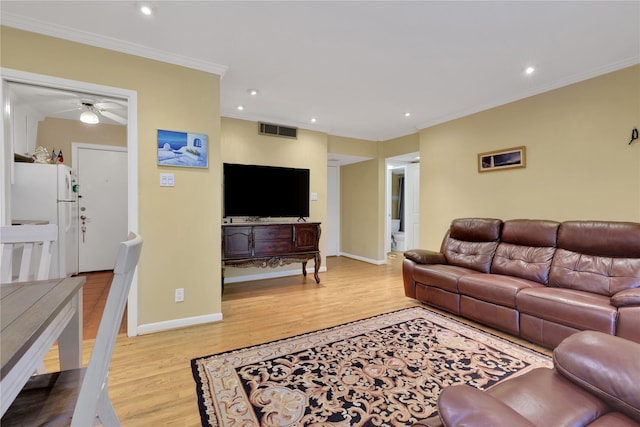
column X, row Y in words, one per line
column 94, row 298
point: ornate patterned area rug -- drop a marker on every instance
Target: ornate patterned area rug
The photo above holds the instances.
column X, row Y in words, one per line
column 386, row 370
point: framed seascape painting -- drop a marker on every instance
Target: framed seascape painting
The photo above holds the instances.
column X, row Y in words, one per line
column 509, row 158
column 182, row 149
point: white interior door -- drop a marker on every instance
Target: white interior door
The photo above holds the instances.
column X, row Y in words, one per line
column 412, row 206
column 102, row 174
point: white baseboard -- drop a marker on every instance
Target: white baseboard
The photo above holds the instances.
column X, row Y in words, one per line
column 369, row 260
column 272, row 275
column 178, row 323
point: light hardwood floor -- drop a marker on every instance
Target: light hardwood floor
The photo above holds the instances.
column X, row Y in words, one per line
column 151, row 383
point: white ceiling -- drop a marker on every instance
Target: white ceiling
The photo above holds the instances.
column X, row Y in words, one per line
column 359, row 66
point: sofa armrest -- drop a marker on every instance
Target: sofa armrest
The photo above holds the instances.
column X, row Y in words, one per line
column 463, row 405
column 424, row 256
column 626, row 298
column 606, row 366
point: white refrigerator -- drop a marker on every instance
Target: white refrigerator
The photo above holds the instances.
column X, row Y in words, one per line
column 48, row 193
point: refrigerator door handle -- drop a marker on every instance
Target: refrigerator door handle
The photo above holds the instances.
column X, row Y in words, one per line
column 67, row 226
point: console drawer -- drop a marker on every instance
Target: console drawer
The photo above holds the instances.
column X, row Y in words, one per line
column 272, row 233
column 272, row 247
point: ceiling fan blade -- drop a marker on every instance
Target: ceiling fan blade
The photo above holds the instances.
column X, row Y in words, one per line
column 111, row 104
column 114, row 117
column 67, row 110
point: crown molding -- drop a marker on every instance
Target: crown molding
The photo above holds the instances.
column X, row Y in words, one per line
column 92, row 39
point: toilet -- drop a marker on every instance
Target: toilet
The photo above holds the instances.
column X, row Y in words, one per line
column 397, row 237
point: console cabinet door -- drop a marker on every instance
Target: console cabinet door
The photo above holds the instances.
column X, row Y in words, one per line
column 306, row 237
column 237, row 242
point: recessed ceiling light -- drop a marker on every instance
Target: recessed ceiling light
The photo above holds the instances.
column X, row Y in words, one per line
column 145, row 9
column 407, row 114
column 240, row 107
column 313, row 120
column 529, row 70
column 253, row 92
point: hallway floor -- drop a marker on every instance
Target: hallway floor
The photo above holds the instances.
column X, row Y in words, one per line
column 94, row 298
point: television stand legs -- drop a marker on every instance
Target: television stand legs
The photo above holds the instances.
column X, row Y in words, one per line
column 316, row 260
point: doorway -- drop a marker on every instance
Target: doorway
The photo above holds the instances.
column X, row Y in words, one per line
column 14, row 76
column 402, row 192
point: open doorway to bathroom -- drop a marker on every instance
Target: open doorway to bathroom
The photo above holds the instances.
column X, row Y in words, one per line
column 402, row 202
column 397, row 209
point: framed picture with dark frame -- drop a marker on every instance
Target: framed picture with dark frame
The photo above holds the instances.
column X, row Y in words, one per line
column 508, row 158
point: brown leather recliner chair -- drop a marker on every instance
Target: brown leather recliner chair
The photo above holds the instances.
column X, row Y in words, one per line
column 595, row 382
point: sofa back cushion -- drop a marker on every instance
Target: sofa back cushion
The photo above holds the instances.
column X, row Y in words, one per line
column 597, row 256
column 526, row 249
column 472, row 242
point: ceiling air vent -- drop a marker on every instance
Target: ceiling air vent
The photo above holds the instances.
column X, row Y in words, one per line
column 277, row 130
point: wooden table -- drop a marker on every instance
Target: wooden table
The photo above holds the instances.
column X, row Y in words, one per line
column 32, row 316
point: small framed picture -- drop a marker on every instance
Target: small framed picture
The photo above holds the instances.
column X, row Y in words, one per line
column 509, row 158
column 182, row 149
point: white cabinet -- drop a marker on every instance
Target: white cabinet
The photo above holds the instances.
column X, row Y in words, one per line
column 25, row 130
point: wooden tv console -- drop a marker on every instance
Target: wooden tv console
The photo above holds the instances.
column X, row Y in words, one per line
column 270, row 244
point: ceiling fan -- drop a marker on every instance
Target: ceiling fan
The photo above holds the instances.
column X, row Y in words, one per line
column 92, row 111
column 64, row 104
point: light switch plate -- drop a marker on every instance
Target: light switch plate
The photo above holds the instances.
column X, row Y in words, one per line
column 167, row 180
column 314, row 196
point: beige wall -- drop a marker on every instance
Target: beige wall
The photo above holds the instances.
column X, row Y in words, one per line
column 59, row 134
column 579, row 163
column 402, row 145
column 241, row 143
column 180, row 225
column 360, row 213
column 352, row 146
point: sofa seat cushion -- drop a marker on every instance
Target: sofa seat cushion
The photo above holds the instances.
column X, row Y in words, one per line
column 577, row 309
column 614, row 419
column 546, row 398
column 441, row 276
column 463, row 405
column 494, row 288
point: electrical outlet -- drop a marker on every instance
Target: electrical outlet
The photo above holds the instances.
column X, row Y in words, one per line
column 179, row 294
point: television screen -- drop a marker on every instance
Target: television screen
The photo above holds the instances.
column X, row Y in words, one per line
column 265, row 191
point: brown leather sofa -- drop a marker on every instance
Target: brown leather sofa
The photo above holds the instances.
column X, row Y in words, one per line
column 594, row 383
column 537, row 279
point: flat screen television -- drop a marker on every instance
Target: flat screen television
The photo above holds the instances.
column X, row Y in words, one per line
column 265, row 191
